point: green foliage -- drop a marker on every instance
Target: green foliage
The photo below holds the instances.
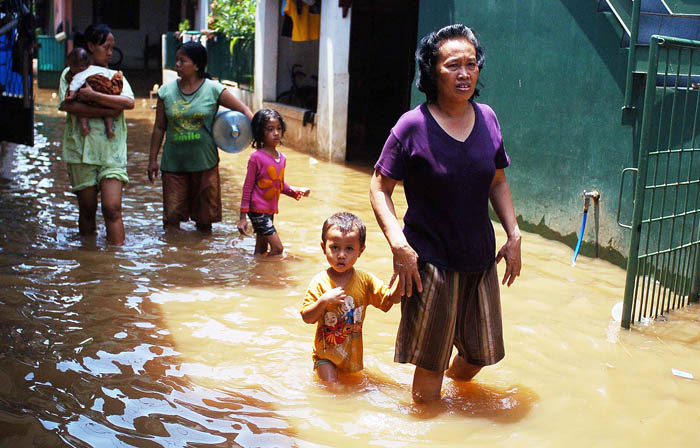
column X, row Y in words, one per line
column 233, row 18
column 184, row 26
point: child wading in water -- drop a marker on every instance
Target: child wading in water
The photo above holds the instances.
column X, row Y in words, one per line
column 264, row 182
column 338, row 297
column 81, row 72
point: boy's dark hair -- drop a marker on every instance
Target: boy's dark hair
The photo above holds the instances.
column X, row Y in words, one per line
column 345, row 222
column 77, row 55
column 198, row 54
column 260, row 119
column 427, row 55
column 95, row 34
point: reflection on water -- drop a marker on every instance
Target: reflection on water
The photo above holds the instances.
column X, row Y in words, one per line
column 189, row 340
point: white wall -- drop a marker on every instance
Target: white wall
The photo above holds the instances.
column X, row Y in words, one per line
column 333, row 82
column 265, row 73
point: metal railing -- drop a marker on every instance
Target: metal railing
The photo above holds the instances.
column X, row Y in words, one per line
column 663, row 271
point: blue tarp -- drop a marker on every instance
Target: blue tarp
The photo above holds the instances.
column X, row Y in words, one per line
column 10, row 82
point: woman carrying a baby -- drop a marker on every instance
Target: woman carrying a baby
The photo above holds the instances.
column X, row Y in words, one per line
column 95, row 151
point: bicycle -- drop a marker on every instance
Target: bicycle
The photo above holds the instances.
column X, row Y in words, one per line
column 304, row 96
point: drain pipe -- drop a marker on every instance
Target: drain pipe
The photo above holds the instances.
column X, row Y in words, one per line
column 587, row 196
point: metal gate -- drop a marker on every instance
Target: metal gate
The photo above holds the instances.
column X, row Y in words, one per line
column 663, row 270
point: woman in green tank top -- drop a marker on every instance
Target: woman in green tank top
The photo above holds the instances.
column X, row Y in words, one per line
column 190, row 163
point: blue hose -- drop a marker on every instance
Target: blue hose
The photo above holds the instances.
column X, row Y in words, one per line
column 580, row 238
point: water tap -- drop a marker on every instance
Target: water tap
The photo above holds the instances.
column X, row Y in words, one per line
column 587, row 196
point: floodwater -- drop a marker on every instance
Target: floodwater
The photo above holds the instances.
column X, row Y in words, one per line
column 189, row 340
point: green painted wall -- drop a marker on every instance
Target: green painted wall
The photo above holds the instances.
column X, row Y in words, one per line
column 554, row 74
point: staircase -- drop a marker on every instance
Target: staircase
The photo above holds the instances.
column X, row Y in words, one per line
column 639, row 20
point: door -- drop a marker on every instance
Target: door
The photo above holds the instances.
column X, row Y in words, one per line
column 383, row 42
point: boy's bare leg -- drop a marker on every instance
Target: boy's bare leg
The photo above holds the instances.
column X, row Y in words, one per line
column 276, row 247
column 460, row 369
column 112, row 210
column 84, row 126
column 87, row 206
column 328, row 373
column 109, row 122
column 426, row 385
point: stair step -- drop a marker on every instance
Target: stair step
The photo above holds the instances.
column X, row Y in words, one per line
column 682, row 81
column 655, row 6
column 621, row 9
column 682, row 26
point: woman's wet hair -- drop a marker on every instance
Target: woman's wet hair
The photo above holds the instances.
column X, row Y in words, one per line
column 260, row 119
column 95, row 34
column 345, row 222
column 428, row 51
column 198, row 54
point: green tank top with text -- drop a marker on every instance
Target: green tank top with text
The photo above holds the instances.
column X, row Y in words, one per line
column 189, row 145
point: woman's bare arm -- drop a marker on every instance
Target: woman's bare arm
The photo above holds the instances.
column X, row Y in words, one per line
column 88, row 95
column 502, row 203
column 159, row 128
column 229, row 101
column 85, row 110
column 405, row 258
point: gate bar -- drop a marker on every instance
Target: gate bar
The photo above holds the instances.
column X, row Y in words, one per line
column 632, row 261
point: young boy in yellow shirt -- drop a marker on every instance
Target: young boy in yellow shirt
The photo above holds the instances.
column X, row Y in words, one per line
column 338, row 297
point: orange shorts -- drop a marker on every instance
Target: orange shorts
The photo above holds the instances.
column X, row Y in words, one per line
column 195, row 196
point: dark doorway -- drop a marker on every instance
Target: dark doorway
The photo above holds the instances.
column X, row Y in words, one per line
column 382, row 46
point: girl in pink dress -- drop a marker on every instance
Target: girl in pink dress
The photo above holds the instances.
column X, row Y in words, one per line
column 264, row 182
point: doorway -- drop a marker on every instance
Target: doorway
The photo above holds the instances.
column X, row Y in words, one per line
column 383, row 39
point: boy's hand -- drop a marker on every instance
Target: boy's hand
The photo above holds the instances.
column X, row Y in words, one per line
column 395, row 296
column 335, row 296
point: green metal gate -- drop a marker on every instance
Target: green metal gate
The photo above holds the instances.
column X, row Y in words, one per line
column 663, row 270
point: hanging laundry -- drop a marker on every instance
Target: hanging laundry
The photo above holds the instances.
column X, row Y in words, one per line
column 305, row 25
column 287, row 26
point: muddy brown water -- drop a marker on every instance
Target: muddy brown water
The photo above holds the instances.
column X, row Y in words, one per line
column 189, row 340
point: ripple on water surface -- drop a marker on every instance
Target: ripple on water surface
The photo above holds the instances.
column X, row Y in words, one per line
column 183, row 339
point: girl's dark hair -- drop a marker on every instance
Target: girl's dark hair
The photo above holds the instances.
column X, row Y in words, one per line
column 95, row 34
column 345, row 222
column 260, row 119
column 427, row 55
column 198, row 54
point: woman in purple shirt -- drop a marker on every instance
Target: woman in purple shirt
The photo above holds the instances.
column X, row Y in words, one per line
column 450, row 156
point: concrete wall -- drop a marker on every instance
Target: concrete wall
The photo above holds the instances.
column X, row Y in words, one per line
column 153, row 21
column 326, row 136
column 554, row 74
column 333, row 83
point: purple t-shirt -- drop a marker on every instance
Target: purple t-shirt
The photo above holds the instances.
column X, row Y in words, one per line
column 447, row 186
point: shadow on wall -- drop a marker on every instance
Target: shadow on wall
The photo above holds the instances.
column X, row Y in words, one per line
column 603, row 36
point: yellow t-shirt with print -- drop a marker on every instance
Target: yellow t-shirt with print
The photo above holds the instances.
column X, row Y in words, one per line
column 339, row 332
